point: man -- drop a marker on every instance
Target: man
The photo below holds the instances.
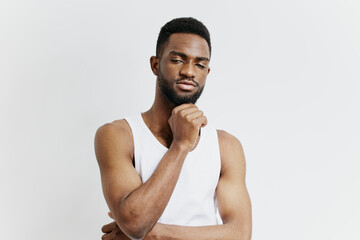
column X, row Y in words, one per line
column 165, row 171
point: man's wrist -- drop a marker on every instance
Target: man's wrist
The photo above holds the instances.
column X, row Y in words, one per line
column 180, row 147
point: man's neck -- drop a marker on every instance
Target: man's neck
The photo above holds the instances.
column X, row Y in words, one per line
column 156, row 118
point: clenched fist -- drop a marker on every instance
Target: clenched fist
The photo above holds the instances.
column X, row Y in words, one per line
column 185, row 123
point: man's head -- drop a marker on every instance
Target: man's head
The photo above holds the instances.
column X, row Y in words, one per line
column 181, row 25
column 182, row 60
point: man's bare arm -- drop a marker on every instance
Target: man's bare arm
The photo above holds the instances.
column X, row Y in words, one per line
column 233, row 203
column 136, row 207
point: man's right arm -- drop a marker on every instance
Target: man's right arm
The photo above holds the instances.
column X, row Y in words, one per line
column 137, row 207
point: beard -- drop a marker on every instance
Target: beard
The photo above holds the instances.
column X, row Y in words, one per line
column 167, row 89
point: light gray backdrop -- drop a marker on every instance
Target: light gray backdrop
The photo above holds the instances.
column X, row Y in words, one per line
column 284, row 80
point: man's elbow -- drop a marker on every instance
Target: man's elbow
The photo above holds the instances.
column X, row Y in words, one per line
column 133, row 226
column 241, row 231
column 134, row 232
column 245, row 234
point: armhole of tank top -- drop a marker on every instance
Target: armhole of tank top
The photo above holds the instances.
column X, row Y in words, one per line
column 218, row 149
column 217, row 213
column 127, row 120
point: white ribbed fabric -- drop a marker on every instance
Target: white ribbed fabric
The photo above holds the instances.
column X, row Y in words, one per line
column 193, row 202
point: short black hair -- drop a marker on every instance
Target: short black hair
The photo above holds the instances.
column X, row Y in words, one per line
column 181, row 25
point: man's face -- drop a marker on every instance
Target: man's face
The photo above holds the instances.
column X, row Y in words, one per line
column 183, row 68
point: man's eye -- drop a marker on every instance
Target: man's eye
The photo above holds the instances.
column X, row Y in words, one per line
column 176, row 60
column 200, row 66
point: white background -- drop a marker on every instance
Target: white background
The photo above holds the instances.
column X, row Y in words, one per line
column 284, row 80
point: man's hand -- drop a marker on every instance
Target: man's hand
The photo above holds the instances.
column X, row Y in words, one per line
column 185, row 123
column 112, row 232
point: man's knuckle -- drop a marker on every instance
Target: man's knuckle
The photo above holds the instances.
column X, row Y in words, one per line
column 183, row 114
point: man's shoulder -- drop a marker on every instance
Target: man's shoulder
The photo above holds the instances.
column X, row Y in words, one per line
column 116, row 128
column 226, row 138
column 230, row 149
column 114, row 135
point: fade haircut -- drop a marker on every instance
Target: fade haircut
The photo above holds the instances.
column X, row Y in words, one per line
column 181, row 25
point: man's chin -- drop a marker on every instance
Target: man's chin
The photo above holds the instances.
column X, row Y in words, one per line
column 181, row 97
column 183, row 101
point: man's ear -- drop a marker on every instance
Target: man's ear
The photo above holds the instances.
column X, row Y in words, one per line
column 208, row 70
column 154, row 64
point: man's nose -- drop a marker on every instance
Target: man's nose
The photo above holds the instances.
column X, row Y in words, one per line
column 188, row 70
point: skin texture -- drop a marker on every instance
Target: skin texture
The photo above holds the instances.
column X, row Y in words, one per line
column 135, row 206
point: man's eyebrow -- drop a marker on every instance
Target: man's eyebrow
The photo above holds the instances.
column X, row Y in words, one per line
column 203, row 59
column 180, row 54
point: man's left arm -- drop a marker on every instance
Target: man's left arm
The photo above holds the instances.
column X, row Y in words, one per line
column 232, row 197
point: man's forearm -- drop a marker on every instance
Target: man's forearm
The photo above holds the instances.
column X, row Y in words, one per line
column 175, row 232
column 141, row 209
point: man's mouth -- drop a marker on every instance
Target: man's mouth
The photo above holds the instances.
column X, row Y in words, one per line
column 186, row 85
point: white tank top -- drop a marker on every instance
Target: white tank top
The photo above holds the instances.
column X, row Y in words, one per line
column 193, row 202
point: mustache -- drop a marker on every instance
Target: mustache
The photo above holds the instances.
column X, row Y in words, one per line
column 188, row 79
